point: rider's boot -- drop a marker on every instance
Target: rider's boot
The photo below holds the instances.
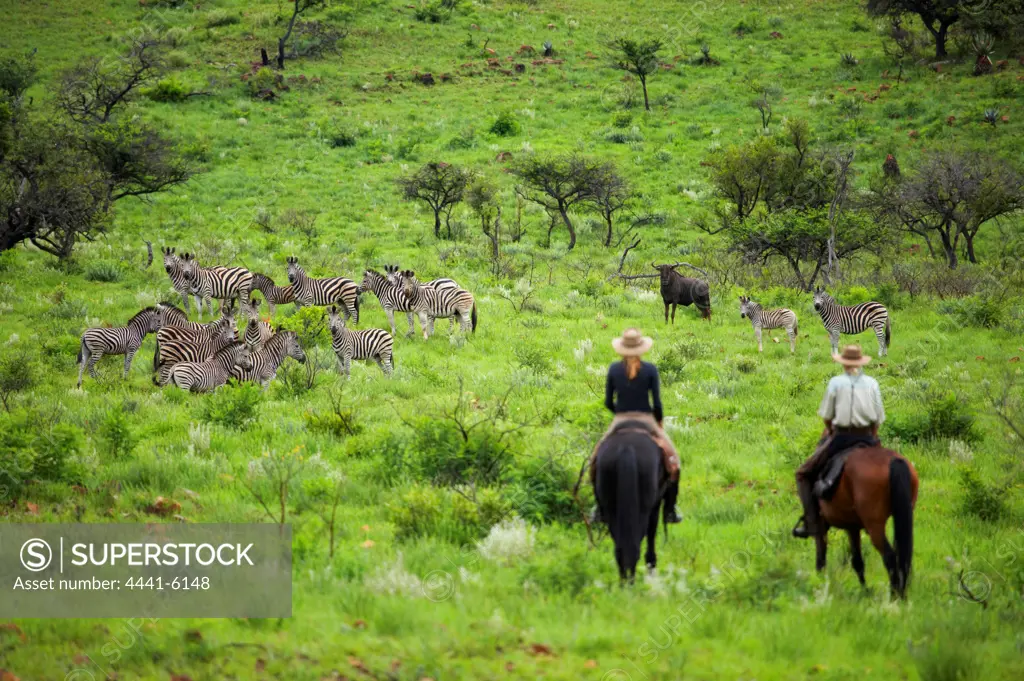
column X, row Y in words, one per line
column 671, row 515
column 811, row 520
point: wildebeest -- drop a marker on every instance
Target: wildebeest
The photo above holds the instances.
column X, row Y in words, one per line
column 679, row 290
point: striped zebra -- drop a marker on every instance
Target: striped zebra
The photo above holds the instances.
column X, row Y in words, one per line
column 175, row 317
column 391, row 298
column 198, row 348
column 275, row 295
column 853, row 319
column 118, row 340
column 770, row 319
column 335, row 290
column 206, row 376
column 394, row 276
column 257, row 331
column 375, row 344
column 268, row 358
column 222, row 283
column 176, row 271
column 430, row 304
column 190, row 332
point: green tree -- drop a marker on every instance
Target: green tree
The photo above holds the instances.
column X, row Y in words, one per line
column 639, row 57
column 440, row 186
column 936, row 15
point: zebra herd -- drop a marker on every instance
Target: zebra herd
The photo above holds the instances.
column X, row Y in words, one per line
column 201, row 357
column 837, row 319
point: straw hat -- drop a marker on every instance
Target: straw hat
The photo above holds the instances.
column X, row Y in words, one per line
column 851, row 356
column 632, row 343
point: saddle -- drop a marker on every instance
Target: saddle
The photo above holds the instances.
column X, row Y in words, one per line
column 832, row 472
column 671, row 463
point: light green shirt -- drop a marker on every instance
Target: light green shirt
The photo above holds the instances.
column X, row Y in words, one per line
column 852, row 401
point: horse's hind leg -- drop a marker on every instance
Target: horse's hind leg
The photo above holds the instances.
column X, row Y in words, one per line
column 857, row 558
column 881, row 543
column 821, row 543
column 650, row 556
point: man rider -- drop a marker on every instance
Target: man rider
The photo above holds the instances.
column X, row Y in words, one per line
column 852, row 411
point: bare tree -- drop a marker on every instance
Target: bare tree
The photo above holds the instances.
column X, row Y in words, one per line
column 609, row 193
column 482, row 197
column 639, row 57
column 936, row 15
column 95, row 90
column 951, row 196
column 298, row 7
column 558, row 183
column 440, row 186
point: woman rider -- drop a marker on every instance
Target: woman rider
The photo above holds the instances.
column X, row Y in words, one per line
column 633, row 393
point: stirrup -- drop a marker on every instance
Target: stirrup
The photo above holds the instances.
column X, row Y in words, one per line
column 800, row 530
column 672, row 517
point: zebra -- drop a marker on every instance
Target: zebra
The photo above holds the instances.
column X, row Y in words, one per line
column 335, row 290
column 853, row 319
column 268, row 358
column 257, row 331
column 394, row 275
column 770, row 319
column 176, row 317
column 275, row 295
column 222, row 283
column 391, row 298
column 375, row 344
column 176, row 271
column 195, row 349
column 118, row 340
column 190, row 332
column 208, row 375
column 430, row 304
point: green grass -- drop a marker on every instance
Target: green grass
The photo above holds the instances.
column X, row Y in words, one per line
column 736, row 596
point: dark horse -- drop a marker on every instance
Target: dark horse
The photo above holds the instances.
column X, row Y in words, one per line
column 876, row 483
column 629, row 488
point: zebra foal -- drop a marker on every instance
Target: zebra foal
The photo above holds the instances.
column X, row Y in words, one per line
column 375, row 344
column 118, row 340
column 853, row 319
column 332, row 291
column 206, row 376
column 275, row 295
column 430, row 304
column 268, row 358
column 761, row 318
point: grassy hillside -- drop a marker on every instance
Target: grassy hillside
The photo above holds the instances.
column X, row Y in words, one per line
column 420, row 585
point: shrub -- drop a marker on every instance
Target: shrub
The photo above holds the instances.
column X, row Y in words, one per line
column 672, row 362
column 443, row 455
column 431, row 512
column 854, row 296
column 337, row 422
column 533, row 358
column 977, row 310
column 622, row 119
column 115, row 433
column 541, row 490
column 107, row 271
column 506, row 125
column 234, row 405
column 263, row 81
column 30, row 452
column 17, row 374
column 942, row 416
column 219, row 17
column 339, row 135
column 633, row 135
column 980, row 498
column 168, row 90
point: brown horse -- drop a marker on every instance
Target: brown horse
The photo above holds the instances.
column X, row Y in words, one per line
column 876, row 483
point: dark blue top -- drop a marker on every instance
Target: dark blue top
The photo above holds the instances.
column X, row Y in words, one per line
column 622, row 394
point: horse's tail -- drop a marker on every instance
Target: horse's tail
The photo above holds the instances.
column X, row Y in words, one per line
column 627, row 508
column 902, row 516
